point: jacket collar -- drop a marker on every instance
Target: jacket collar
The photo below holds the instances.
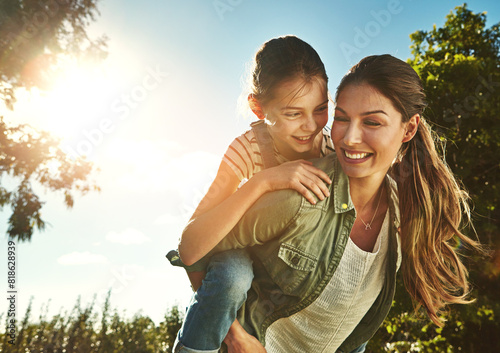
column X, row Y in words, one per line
column 343, row 202
column 342, row 199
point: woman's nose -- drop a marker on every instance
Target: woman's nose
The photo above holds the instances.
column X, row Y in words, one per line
column 353, row 135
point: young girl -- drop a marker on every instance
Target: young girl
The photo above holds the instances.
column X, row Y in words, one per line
column 325, row 274
column 289, row 96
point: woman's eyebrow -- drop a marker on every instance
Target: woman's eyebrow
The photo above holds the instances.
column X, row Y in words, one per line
column 365, row 113
column 340, row 109
column 374, row 112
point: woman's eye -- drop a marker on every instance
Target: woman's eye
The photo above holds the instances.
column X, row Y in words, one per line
column 292, row 115
column 340, row 118
column 372, row 123
column 322, row 109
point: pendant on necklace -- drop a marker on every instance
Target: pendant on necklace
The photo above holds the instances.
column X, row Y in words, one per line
column 368, row 226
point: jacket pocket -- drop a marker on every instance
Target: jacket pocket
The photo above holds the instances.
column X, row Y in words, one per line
column 292, row 270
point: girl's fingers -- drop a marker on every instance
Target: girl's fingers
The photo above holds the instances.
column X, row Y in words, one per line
column 319, row 173
column 318, row 187
column 303, row 177
column 306, row 193
column 309, row 185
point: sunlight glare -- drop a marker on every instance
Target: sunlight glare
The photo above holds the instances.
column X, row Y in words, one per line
column 78, row 97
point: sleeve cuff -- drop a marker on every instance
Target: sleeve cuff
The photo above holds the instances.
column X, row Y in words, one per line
column 175, row 260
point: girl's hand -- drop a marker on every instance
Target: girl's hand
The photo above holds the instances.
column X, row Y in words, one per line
column 239, row 341
column 299, row 175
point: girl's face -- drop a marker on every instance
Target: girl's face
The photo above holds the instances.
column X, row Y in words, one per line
column 296, row 121
column 368, row 131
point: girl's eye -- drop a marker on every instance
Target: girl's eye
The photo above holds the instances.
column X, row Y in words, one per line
column 292, row 115
column 322, row 109
column 372, row 123
column 340, row 118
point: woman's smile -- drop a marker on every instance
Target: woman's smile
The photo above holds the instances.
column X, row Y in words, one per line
column 356, row 157
column 367, row 131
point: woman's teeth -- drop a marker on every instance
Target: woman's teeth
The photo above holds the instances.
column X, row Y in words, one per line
column 356, row 155
column 303, row 138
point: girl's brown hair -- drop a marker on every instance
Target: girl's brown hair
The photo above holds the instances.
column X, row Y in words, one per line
column 281, row 59
column 432, row 202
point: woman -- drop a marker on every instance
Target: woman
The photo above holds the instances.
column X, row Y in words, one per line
column 325, row 273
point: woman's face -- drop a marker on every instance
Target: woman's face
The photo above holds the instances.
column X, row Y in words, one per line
column 368, row 131
column 297, row 121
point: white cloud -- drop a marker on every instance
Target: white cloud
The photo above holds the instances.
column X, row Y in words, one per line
column 81, row 258
column 127, row 237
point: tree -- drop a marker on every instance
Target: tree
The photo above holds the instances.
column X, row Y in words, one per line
column 36, row 37
column 459, row 65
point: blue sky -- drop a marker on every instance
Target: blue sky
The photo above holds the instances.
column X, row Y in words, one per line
column 156, row 117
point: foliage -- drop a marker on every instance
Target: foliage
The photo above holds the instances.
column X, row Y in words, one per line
column 35, row 36
column 26, row 156
column 459, row 65
column 82, row 332
column 35, row 39
column 469, row 329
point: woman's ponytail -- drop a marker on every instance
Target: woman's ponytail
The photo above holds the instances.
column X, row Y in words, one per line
column 432, row 205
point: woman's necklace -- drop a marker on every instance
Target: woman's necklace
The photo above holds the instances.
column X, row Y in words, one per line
column 369, row 225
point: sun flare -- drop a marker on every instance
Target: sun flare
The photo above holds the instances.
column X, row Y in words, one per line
column 76, row 99
column 78, row 96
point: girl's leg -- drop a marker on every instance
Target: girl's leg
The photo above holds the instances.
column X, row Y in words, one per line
column 214, row 306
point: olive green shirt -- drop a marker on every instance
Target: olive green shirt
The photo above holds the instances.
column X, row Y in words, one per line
column 296, row 248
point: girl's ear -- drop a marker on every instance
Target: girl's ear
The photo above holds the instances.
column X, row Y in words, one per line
column 411, row 128
column 256, row 107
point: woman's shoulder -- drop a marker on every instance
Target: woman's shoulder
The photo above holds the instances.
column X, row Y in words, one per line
column 326, row 163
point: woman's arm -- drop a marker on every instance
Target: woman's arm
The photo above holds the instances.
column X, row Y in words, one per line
column 224, row 204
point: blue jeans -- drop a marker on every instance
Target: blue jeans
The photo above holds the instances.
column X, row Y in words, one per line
column 214, row 306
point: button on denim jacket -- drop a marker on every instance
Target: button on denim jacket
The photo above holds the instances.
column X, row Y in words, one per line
column 296, row 248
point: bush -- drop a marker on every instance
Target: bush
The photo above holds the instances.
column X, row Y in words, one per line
column 81, row 331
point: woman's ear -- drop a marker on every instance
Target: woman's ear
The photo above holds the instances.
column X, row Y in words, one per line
column 256, row 107
column 411, row 127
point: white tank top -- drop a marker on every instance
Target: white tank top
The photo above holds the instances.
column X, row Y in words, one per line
column 330, row 319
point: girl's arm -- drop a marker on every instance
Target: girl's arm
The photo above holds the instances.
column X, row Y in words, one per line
column 225, row 204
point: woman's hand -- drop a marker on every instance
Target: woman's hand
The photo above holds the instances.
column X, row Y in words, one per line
column 239, row 341
column 299, row 175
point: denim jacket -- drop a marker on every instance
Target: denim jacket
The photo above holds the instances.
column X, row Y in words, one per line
column 296, row 248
